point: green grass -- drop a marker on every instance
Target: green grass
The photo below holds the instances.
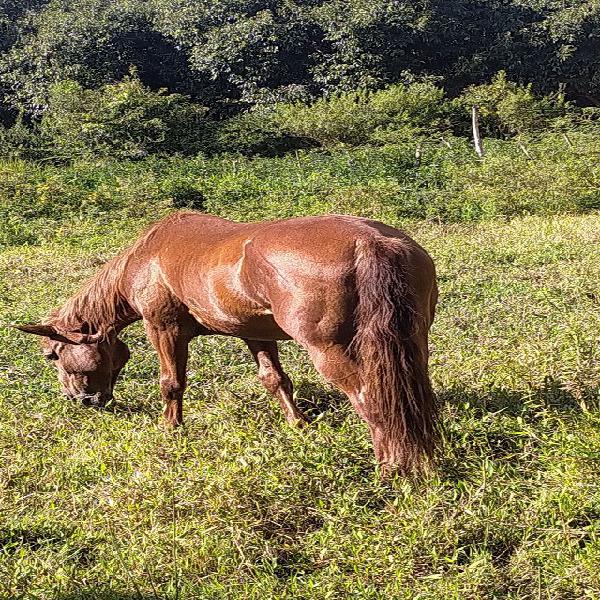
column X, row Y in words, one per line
column 38, row 202
column 106, row 504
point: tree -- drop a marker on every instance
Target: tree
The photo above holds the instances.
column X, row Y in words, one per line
column 230, row 55
column 121, row 120
column 92, row 42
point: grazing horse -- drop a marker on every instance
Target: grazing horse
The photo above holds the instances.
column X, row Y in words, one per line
column 357, row 294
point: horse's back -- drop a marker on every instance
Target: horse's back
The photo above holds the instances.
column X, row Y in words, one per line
column 305, row 269
column 293, row 277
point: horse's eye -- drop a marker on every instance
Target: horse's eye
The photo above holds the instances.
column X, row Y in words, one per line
column 51, row 355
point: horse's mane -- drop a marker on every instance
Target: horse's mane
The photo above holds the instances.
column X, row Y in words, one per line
column 100, row 303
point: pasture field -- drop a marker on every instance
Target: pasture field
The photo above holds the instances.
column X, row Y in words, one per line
column 106, row 504
column 114, row 114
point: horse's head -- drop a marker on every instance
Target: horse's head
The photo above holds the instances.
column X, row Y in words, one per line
column 88, row 364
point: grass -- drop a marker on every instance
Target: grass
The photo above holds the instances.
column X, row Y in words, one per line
column 106, row 504
column 450, row 184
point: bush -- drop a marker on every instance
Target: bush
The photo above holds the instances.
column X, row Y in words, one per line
column 39, row 201
column 409, row 111
column 256, row 132
column 553, row 178
column 356, row 118
column 507, row 108
column 20, row 141
column 124, row 120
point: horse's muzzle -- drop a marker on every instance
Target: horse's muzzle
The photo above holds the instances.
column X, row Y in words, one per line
column 97, row 400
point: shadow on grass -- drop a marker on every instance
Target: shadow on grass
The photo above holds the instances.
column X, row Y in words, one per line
column 33, row 538
column 124, row 408
column 500, row 440
column 553, row 395
column 314, row 400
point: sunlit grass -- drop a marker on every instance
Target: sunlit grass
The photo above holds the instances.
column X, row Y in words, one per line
column 106, row 504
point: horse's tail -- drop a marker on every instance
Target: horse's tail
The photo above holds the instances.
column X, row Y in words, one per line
column 397, row 392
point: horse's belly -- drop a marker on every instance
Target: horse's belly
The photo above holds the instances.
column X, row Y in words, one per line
column 251, row 323
column 261, row 327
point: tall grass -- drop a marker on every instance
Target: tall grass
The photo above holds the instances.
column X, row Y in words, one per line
column 106, row 504
column 544, row 175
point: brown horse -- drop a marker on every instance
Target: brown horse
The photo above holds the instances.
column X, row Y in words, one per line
column 357, row 294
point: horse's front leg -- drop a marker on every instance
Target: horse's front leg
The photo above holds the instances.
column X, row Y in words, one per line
column 171, row 345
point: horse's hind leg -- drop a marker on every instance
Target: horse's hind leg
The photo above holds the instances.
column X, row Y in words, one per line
column 274, row 379
column 336, row 366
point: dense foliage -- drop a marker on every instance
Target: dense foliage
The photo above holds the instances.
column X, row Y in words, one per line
column 128, row 120
column 232, row 54
column 122, row 120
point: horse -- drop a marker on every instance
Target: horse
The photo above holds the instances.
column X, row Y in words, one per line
column 357, row 294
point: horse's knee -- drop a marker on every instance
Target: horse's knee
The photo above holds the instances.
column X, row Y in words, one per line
column 271, row 379
column 171, row 388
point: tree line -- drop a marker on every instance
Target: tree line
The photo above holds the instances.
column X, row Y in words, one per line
column 231, row 55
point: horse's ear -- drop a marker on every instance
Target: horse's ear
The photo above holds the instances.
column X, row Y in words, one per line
column 68, row 337
column 38, row 329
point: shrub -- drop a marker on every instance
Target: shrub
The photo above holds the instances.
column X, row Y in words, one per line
column 121, row 120
column 256, row 132
column 507, row 108
column 552, row 178
column 409, row 111
column 355, row 118
column 20, row 141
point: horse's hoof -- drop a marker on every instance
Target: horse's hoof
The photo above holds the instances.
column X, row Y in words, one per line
column 298, row 422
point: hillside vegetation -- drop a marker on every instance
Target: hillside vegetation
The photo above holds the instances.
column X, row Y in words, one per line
column 229, row 55
column 40, row 201
column 123, row 150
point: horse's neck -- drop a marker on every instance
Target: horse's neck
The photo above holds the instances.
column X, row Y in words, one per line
column 101, row 305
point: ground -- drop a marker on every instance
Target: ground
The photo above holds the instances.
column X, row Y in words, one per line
column 107, row 504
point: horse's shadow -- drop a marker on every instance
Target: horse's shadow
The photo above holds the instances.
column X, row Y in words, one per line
column 123, row 408
column 319, row 401
column 485, row 433
column 315, row 401
column 552, row 395
column 312, row 399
